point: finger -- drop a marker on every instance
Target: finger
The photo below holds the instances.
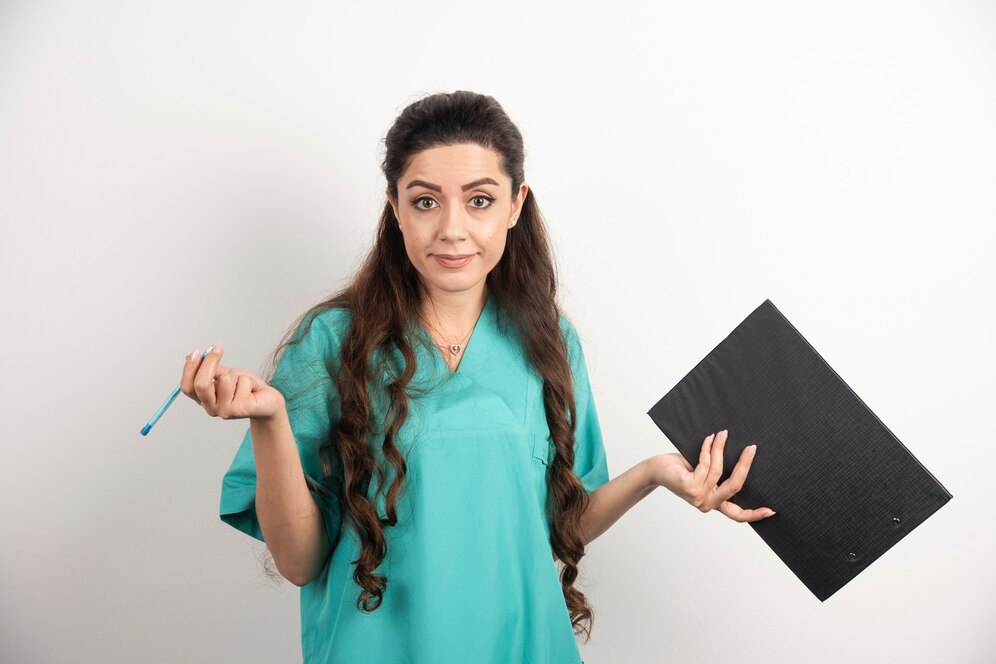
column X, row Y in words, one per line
column 255, row 382
column 738, row 513
column 190, row 365
column 702, row 469
column 224, row 389
column 716, row 466
column 736, row 480
column 204, row 386
column 242, row 398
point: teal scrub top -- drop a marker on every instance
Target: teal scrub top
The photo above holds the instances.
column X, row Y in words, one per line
column 470, row 570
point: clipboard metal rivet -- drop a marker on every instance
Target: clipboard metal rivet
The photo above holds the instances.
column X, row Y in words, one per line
column 852, row 555
column 895, row 519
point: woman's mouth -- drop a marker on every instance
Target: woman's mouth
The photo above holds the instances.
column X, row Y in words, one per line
column 453, row 260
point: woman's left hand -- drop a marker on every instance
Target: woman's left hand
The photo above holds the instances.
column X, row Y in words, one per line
column 697, row 486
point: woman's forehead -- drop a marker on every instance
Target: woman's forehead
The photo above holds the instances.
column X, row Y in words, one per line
column 452, row 165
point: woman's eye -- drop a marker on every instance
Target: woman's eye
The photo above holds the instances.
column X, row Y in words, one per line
column 417, row 203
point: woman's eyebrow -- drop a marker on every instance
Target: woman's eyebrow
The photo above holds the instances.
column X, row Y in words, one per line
column 436, row 187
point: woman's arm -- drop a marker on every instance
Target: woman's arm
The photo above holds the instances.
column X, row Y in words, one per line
column 696, row 486
column 289, row 519
column 614, row 498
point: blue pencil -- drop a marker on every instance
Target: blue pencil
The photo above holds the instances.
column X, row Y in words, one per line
column 169, row 400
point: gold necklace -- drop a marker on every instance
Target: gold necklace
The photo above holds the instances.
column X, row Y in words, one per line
column 454, row 348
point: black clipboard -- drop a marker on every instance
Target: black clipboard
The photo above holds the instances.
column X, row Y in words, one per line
column 844, row 487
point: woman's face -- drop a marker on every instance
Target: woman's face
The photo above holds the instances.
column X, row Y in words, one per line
column 454, row 201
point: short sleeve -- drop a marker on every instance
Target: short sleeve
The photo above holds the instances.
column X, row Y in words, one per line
column 590, row 463
column 302, row 376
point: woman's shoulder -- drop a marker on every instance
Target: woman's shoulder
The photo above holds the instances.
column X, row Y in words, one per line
column 320, row 331
column 334, row 320
column 567, row 326
column 573, row 341
column 569, row 331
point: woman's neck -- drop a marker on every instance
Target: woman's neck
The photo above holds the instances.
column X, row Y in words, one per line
column 454, row 313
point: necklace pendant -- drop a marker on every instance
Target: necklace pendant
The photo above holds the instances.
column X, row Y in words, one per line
column 455, row 348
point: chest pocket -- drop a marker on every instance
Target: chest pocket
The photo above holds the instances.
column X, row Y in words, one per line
column 543, row 448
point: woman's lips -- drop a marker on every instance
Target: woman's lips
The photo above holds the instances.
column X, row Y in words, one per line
column 453, row 262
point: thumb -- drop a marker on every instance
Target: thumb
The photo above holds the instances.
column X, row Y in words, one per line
column 257, row 382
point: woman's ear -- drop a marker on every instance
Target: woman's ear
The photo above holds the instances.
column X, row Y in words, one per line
column 394, row 207
column 517, row 204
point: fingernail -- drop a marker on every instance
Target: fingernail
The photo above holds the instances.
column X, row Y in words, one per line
column 193, row 355
column 217, row 348
column 723, row 432
column 751, row 450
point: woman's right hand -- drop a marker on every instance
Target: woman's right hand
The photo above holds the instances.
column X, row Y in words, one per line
column 226, row 392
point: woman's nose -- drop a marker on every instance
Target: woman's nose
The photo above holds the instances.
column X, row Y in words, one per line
column 453, row 223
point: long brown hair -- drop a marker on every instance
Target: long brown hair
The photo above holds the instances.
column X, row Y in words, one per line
column 385, row 296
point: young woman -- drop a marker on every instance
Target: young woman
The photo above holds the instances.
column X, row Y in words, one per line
column 425, row 461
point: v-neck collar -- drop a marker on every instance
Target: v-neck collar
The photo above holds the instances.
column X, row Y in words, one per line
column 474, row 349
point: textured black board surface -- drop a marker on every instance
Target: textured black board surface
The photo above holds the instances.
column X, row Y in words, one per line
column 844, row 487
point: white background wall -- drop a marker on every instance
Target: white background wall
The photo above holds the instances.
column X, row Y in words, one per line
column 174, row 174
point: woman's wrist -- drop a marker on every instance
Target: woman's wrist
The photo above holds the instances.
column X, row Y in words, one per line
column 668, row 471
column 271, row 422
column 648, row 479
